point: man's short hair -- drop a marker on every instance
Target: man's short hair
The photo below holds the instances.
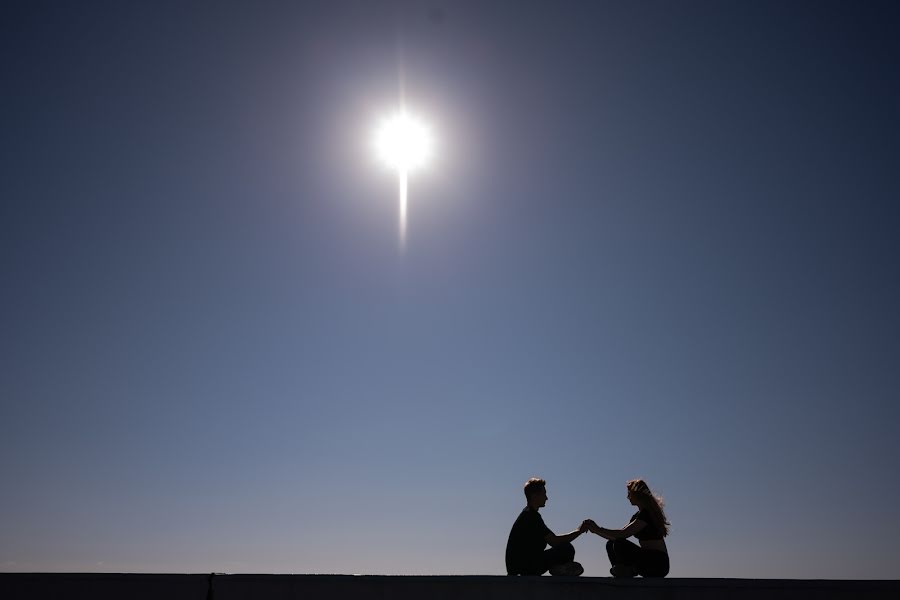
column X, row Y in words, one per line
column 534, row 485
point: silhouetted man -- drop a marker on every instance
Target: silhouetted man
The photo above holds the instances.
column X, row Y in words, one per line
column 525, row 553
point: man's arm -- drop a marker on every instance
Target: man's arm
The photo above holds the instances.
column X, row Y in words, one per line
column 556, row 540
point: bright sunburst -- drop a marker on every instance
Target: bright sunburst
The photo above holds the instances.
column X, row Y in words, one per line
column 403, row 142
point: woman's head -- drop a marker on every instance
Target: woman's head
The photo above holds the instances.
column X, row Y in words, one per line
column 639, row 492
column 640, row 495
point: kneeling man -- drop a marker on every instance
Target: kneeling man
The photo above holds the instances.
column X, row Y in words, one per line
column 525, row 553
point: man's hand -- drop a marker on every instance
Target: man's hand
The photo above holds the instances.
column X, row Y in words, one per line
column 587, row 525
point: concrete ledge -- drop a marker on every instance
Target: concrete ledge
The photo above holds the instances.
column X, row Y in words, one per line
column 101, row 586
column 134, row 586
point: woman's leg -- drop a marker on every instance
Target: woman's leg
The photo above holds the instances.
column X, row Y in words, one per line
column 653, row 563
column 611, row 552
column 623, row 552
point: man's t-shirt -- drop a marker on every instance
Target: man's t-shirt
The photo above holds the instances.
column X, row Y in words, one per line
column 526, row 543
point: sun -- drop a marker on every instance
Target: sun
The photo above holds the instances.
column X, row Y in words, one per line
column 403, row 142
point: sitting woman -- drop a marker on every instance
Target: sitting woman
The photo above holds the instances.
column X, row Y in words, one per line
column 649, row 526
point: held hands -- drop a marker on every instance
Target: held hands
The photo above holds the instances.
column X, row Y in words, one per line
column 588, row 525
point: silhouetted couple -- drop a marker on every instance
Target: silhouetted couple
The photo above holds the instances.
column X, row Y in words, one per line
column 527, row 552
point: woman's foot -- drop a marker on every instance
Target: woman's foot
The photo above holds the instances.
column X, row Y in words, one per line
column 623, row 571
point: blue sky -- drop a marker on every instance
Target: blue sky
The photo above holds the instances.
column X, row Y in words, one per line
column 658, row 240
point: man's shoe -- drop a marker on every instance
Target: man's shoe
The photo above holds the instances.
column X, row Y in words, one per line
column 569, row 569
column 623, row 571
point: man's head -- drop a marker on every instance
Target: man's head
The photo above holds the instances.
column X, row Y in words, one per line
column 536, row 492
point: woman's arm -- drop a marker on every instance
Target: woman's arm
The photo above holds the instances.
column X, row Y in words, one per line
column 619, row 534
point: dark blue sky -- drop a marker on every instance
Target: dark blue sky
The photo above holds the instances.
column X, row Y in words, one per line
column 658, row 239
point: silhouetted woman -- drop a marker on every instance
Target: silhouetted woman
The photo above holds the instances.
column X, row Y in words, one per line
column 649, row 525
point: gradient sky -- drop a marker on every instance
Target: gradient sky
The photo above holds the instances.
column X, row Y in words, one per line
column 659, row 239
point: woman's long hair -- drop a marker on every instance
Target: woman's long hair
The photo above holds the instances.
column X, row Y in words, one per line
column 647, row 501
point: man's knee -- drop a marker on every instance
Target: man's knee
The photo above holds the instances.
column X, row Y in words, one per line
column 559, row 555
column 610, row 545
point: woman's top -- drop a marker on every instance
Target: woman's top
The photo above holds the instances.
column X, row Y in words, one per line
column 653, row 530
